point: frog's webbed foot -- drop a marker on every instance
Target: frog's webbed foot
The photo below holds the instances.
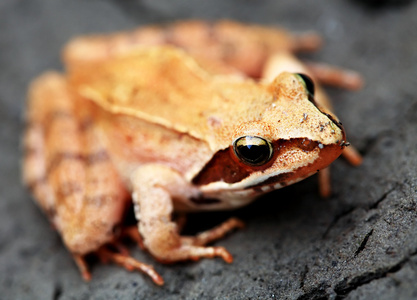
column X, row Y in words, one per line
column 154, row 188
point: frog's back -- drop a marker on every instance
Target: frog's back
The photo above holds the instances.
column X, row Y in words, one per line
column 163, row 85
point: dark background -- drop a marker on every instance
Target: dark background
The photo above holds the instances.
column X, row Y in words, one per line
column 360, row 244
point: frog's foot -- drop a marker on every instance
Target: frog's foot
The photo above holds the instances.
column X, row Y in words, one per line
column 121, row 257
column 194, row 253
column 197, row 242
column 168, row 246
column 129, row 263
column 193, row 245
column 155, row 187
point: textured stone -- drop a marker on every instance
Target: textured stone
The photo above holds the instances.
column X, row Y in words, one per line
column 360, row 244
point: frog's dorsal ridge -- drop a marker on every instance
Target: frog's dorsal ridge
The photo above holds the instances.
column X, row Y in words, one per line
column 141, row 82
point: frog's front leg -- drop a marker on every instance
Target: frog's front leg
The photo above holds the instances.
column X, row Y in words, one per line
column 155, row 188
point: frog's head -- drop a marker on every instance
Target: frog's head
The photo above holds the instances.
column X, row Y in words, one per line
column 292, row 139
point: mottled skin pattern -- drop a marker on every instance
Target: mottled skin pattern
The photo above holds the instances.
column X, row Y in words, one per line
column 138, row 120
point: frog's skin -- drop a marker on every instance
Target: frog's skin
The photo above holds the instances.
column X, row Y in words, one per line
column 162, row 117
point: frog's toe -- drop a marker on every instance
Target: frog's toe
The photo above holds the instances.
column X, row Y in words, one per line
column 193, row 247
column 129, row 263
column 214, row 234
column 195, row 253
column 82, row 266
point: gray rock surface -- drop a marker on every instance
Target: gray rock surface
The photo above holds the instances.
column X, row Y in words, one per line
column 360, row 244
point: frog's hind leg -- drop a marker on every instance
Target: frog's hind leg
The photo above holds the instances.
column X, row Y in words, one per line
column 68, row 169
column 47, row 106
column 43, row 109
column 224, row 46
column 71, row 174
column 334, row 76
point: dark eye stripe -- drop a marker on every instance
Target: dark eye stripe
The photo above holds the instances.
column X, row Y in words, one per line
column 222, row 168
column 225, row 167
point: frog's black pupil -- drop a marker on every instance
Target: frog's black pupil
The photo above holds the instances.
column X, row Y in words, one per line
column 308, row 82
column 253, row 150
column 254, row 153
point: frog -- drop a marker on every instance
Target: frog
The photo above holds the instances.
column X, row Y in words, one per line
column 179, row 118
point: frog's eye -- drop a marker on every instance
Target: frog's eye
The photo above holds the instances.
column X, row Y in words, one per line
column 253, row 150
column 307, row 82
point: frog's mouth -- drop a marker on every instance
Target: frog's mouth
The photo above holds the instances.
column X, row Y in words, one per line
column 276, row 182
